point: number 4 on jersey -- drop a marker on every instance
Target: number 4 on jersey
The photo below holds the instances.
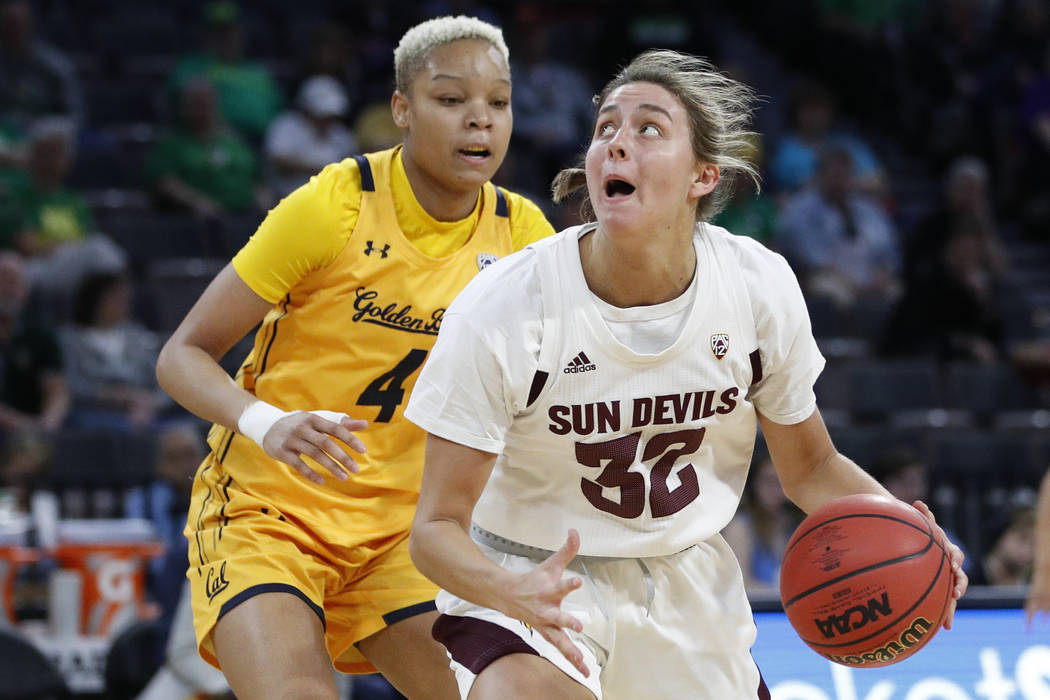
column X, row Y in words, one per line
column 386, row 391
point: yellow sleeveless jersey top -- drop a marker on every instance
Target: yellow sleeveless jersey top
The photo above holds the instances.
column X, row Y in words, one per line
column 351, row 335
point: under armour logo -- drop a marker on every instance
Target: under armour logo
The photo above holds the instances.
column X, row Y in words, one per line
column 371, row 248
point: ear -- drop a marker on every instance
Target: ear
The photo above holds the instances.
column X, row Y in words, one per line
column 399, row 109
column 706, row 179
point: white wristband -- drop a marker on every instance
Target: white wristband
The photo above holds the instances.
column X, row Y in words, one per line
column 334, row 416
column 257, row 419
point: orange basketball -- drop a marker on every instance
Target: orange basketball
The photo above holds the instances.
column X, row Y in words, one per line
column 866, row 581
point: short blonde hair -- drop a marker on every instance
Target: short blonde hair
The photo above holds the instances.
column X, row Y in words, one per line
column 417, row 43
column 719, row 110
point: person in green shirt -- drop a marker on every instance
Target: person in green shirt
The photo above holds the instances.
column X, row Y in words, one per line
column 249, row 97
column 202, row 165
column 40, row 212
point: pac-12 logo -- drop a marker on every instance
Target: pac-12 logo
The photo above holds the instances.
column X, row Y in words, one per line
column 486, row 259
column 720, row 345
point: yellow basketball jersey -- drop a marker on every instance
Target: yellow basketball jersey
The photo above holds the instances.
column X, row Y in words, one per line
column 351, row 336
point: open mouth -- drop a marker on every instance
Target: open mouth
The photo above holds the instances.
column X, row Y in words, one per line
column 618, row 188
column 476, row 152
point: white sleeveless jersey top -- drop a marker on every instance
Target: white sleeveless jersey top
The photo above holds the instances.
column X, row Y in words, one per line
column 644, row 454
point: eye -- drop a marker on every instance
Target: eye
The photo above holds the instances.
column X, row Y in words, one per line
column 605, row 129
column 448, row 100
column 651, row 130
column 501, row 104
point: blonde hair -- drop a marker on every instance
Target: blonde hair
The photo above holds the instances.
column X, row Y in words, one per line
column 719, row 110
column 417, row 43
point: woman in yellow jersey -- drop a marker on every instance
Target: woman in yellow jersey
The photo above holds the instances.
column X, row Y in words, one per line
column 350, row 276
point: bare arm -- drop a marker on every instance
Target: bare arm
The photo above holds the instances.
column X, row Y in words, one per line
column 56, row 400
column 812, row 472
column 442, row 550
column 188, row 369
column 1039, row 593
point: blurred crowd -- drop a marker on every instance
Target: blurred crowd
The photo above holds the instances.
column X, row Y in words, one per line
column 904, row 146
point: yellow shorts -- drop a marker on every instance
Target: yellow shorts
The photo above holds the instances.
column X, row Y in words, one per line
column 241, row 546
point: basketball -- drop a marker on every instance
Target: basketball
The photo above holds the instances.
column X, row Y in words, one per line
column 866, row 581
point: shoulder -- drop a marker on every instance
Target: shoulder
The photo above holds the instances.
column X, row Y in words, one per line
column 336, row 184
column 527, row 220
column 520, row 206
column 754, row 259
column 766, row 274
column 508, row 290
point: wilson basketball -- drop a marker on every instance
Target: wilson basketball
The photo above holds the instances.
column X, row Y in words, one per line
column 866, row 581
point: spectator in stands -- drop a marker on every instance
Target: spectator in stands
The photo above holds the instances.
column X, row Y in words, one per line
column 202, row 166
column 33, row 390
column 841, row 241
column 903, row 472
column 301, row 141
column 326, row 50
column 110, row 358
column 14, row 156
column 375, row 128
column 36, row 79
column 24, row 463
column 947, row 57
column 249, row 98
column 811, row 122
column 552, row 106
column 1039, row 594
column 950, row 312
column 43, row 212
column 1011, row 557
column 762, row 526
column 965, row 203
column 52, row 224
column 854, row 45
column 184, row 674
column 165, row 502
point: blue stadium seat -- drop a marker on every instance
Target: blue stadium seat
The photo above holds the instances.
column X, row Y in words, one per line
column 877, row 390
column 175, row 284
column 986, row 390
column 983, row 469
column 863, row 444
column 148, row 236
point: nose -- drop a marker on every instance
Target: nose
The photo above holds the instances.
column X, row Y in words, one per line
column 618, row 146
column 478, row 116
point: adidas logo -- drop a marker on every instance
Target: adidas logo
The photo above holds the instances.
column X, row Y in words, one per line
column 580, row 363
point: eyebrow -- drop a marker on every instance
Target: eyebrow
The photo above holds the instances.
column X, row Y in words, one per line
column 644, row 105
column 447, row 76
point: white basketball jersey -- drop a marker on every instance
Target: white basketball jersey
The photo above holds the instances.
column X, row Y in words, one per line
column 644, row 454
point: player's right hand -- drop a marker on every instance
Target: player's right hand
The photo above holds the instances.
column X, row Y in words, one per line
column 310, row 433
column 537, row 597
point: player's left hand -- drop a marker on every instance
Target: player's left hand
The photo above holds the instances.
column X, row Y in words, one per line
column 961, row 580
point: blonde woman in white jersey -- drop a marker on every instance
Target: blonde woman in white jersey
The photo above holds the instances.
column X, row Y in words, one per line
column 592, row 404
